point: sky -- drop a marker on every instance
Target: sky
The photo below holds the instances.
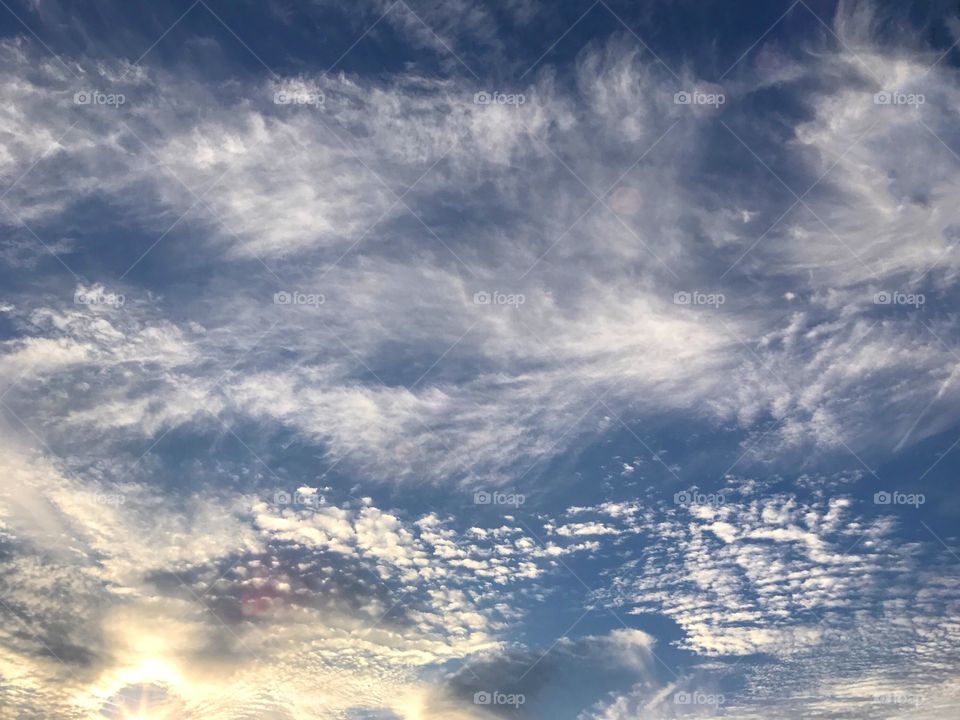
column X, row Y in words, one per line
column 468, row 360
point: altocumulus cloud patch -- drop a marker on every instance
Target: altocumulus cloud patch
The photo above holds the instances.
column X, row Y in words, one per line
column 479, row 360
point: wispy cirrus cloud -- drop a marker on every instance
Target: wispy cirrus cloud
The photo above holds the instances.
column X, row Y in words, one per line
column 381, row 290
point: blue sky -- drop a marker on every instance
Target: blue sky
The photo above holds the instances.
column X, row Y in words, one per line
column 467, row 360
